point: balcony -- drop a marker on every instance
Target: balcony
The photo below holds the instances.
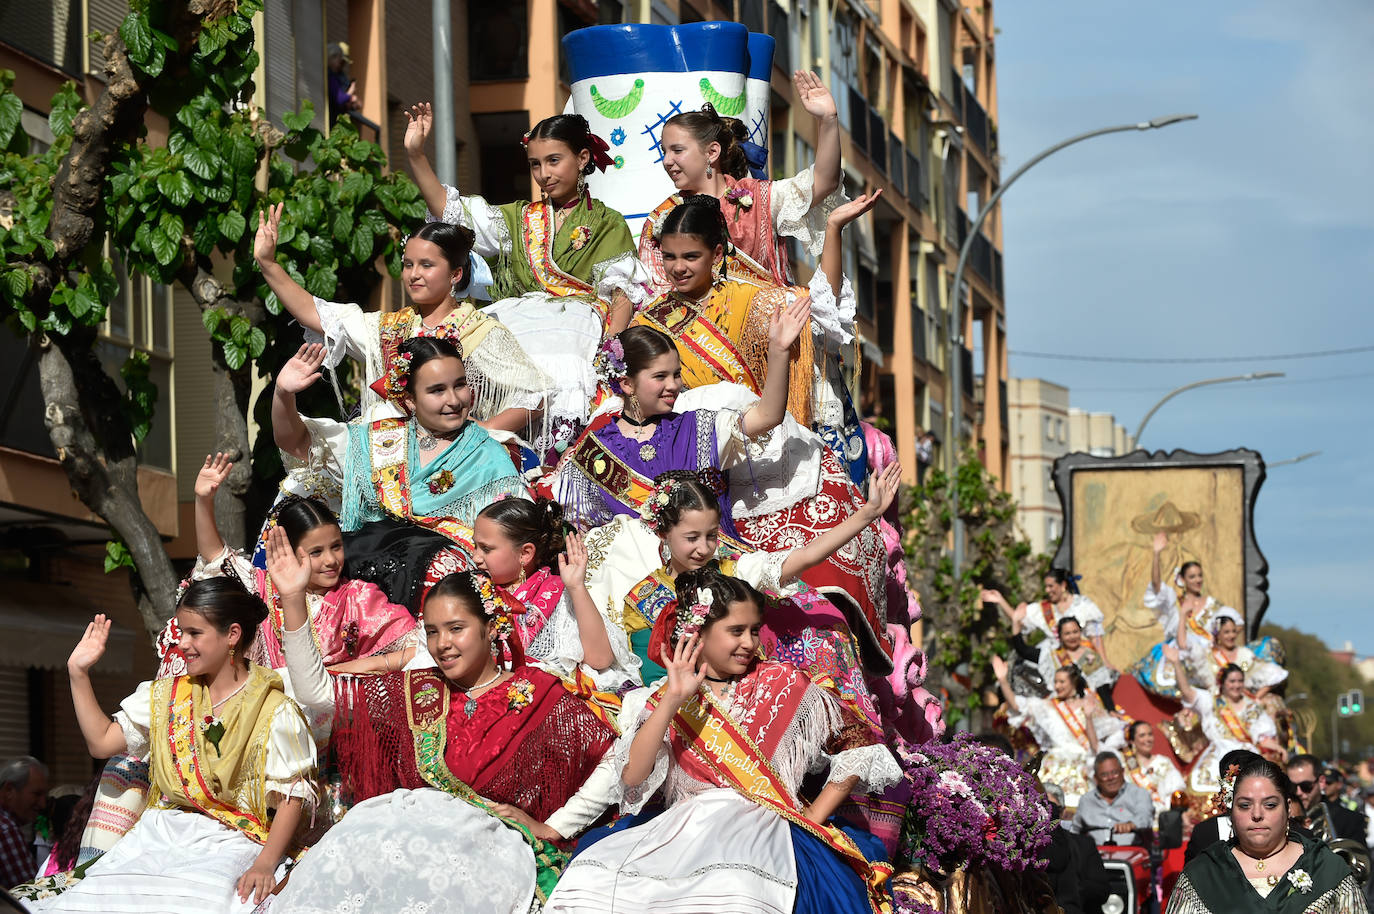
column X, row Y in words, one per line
column 897, row 172
column 976, row 124
column 877, row 140
column 858, row 119
column 1002, row 403
column 966, row 366
column 916, row 188
column 983, row 259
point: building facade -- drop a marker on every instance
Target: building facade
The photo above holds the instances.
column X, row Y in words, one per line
column 1044, row 427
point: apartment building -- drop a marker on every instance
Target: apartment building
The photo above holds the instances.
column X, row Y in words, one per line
column 1043, row 428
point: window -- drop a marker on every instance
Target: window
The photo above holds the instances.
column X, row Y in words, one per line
column 498, row 44
column 139, row 319
column 1051, row 530
column 1059, row 429
column 1049, row 429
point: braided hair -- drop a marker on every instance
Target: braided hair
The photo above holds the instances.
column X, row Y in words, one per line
column 707, row 127
column 539, row 522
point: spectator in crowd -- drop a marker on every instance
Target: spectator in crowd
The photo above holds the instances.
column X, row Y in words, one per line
column 1310, row 780
column 23, row 795
column 925, row 453
column 1218, row 828
column 1075, row 872
column 1114, row 812
column 343, row 91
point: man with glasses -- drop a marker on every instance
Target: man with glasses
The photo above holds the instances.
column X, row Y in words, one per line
column 1312, row 783
column 1115, row 812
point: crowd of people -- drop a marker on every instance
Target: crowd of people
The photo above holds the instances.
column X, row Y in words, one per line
column 595, row 605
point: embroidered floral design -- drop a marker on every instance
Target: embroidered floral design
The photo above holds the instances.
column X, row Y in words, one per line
column 580, row 236
column 1301, row 881
column 1228, row 786
column 742, row 199
column 441, row 483
column 212, row 728
column 520, row 694
column 350, row 639
column 609, row 363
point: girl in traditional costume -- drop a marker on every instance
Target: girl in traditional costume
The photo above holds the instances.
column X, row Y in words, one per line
column 1068, row 648
column 567, row 272
column 1070, row 727
column 728, row 738
column 1154, row 771
column 411, row 487
column 509, row 391
column 230, row 758
column 521, row 546
column 1194, row 608
column 1230, row 718
column 639, row 559
column 1062, row 600
column 453, row 770
column 1204, row 659
column 704, row 153
column 721, row 317
column 789, row 488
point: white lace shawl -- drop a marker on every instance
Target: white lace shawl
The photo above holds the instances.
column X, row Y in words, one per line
column 796, row 215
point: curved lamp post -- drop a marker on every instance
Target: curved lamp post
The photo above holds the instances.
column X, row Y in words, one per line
column 1252, row 376
column 954, row 415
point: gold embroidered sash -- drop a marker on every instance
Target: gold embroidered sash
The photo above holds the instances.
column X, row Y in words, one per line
column 537, row 223
column 729, row 753
column 685, row 322
column 1075, row 719
column 607, row 470
column 388, row 442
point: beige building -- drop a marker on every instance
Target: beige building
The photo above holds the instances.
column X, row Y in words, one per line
column 1043, row 428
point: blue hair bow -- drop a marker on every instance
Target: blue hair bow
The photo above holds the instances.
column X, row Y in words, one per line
column 757, row 157
column 479, row 278
column 1073, row 584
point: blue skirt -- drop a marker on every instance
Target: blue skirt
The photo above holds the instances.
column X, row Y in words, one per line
column 826, row 884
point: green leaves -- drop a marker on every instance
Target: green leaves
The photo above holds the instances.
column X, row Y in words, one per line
column 117, row 556
column 300, row 120
column 232, row 225
column 176, row 187
column 11, row 111
column 137, row 36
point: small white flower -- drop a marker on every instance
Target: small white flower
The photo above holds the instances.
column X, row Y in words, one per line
column 1301, row 881
column 746, row 201
column 704, row 596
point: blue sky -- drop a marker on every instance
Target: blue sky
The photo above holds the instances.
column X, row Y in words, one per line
column 1248, row 231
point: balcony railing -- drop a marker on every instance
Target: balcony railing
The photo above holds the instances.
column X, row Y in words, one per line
column 915, row 184
column 983, row 258
column 966, row 363
column 918, row 332
column 858, row 119
column 897, row 171
column 976, row 123
column 877, row 140
column 1002, row 404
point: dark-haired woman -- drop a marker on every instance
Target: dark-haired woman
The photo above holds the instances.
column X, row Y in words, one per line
column 567, row 272
column 1230, row 718
column 1189, row 605
column 453, row 769
column 230, row 758
column 720, row 319
column 1070, row 726
column 438, row 271
column 728, row 739
column 1068, row 647
column 704, row 153
column 1267, row 865
column 357, row 628
column 678, row 531
column 521, row 546
column 788, row 490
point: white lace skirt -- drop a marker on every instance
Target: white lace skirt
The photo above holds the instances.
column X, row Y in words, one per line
column 561, row 336
column 413, row 851
column 714, row 851
column 171, row 862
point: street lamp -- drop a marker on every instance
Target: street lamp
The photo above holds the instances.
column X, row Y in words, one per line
column 954, row 415
column 1291, row 460
column 1252, row 376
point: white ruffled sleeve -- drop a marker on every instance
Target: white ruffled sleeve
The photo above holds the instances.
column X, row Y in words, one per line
column 558, row 648
column 634, row 712
column 832, row 317
column 874, row 765
column 343, row 328
column 237, row 564
column 733, row 446
column 1263, row 728
column 289, row 765
column 1088, row 616
column 135, row 718
column 624, row 273
column 310, row 684
column 321, row 473
column 1162, row 601
column 597, row 794
column 796, row 215
column 485, row 220
column 763, row 570
column 1264, row 674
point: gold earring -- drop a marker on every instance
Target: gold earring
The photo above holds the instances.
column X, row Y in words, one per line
column 231, row 656
column 709, row 171
column 521, row 579
column 636, row 408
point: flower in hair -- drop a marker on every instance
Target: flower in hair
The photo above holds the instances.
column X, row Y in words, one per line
column 1228, row 786
column 580, row 236
column 609, row 363
column 525, row 138
column 397, row 376
column 654, row 506
column 690, row 623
